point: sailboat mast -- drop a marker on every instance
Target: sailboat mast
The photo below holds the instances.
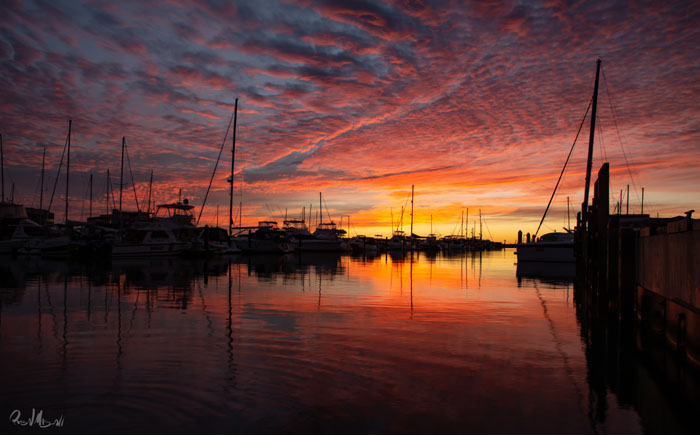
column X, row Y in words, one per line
column 2, row 170
column 320, row 209
column 150, row 188
column 480, row 228
column 41, row 191
column 466, row 228
column 121, row 177
column 411, row 210
column 90, row 195
column 70, row 122
column 233, row 163
column 589, row 164
column 107, row 192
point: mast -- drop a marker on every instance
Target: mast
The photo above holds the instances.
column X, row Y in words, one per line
column 107, row 192
column 90, row 196
column 461, row 224
column 121, row 177
column 320, row 209
column 642, row 200
column 411, row 210
column 2, row 170
column 619, row 207
column 233, row 162
column 70, row 122
column 628, row 199
column 466, row 227
column 41, row 192
column 480, row 232
column 568, row 214
column 589, row 164
column 150, row 188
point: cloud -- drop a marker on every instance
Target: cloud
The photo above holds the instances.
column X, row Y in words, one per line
column 476, row 103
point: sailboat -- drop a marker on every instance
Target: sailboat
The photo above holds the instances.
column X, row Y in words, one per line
column 559, row 247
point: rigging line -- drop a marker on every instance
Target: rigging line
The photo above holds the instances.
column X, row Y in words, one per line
column 601, row 140
column 211, row 180
column 560, row 348
column 405, row 204
column 327, row 213
column 454, row 230
column 58, row 174
column 133, row 184
column 564, row 168
column 487, row 227
column 111, row 192
column 619, row 137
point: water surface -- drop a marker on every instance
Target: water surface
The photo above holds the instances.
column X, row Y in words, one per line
column 392, row 344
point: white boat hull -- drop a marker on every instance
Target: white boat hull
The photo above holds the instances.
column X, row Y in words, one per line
column 550, row 252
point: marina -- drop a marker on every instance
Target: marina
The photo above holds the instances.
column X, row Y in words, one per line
column 384, row 217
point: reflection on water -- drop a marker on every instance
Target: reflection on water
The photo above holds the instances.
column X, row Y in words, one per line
column 395, row 343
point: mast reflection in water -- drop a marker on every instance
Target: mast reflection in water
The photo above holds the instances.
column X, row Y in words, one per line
column 392, row 344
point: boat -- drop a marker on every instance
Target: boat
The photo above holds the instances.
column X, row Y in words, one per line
column 559, row 247
column 302, row 240
column 266, row 239
column 148, row 239
column 16, row 230
column 363, row 245
column 399, row 242
column 550, row 248
column 328, row 237
column 216, row 241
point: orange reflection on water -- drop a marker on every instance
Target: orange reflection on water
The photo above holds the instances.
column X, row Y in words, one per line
column 410, row 340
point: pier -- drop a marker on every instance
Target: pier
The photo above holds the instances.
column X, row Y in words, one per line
column 638, row 283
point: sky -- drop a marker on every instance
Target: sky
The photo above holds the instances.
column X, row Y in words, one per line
column 476, row 104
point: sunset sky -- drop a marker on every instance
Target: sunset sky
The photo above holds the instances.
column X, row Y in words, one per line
column 474, row 103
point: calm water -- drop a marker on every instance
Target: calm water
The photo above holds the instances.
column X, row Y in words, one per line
column 312, row 344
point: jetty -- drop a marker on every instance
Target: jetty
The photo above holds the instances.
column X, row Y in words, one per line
column 638, row 283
